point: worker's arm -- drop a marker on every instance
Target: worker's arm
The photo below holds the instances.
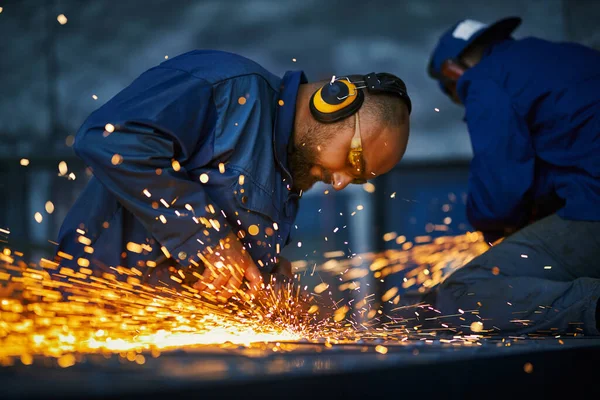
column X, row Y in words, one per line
column 159, row 124
column 502, row 169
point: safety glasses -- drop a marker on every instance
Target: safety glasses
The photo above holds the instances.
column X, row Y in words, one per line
column 355, row 156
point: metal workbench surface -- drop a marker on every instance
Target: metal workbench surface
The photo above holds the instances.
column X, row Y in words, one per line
column 491, row 367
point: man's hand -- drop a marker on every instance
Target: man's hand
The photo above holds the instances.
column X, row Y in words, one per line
column 226, row 266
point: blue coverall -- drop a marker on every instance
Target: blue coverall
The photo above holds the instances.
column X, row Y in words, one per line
column 532, row 108
column 199, row 149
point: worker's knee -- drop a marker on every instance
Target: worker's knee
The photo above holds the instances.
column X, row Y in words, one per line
column 457, row 290
column 455, row 285
column 465, row 276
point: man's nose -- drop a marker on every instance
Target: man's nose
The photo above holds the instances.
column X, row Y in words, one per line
column 340, row 180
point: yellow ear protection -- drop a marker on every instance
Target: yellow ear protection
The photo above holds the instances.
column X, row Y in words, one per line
column 342, row 97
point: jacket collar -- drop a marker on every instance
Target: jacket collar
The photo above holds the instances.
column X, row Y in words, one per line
column 284, row 119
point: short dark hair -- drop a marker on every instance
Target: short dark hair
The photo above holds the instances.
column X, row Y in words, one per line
column 386, row 107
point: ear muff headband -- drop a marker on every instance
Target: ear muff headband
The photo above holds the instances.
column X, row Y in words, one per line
column 341, row 98
column 387, row 83
column 336, row 100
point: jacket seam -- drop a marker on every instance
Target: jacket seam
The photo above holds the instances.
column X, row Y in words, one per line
column 237, row 168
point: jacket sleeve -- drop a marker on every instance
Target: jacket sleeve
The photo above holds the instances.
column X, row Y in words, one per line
column 159, row 123
column 502, row 169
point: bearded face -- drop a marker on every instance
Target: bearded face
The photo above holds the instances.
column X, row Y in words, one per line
column 305, row 156
column 301, row 161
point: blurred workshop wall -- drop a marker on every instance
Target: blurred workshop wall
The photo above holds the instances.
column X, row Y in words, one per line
column 51, row 71
column 61, row 59
column 581, row 22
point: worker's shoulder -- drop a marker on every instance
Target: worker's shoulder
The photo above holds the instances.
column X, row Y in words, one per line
column 532, row 48
column 214, row 66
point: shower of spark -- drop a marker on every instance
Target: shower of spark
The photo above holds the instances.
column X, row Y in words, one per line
column 52, row 311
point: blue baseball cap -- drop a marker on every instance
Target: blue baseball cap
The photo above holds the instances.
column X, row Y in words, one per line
column 463, row 34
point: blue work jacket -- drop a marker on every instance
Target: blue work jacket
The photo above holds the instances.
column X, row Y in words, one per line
column 533, row 113
column 193, row 149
